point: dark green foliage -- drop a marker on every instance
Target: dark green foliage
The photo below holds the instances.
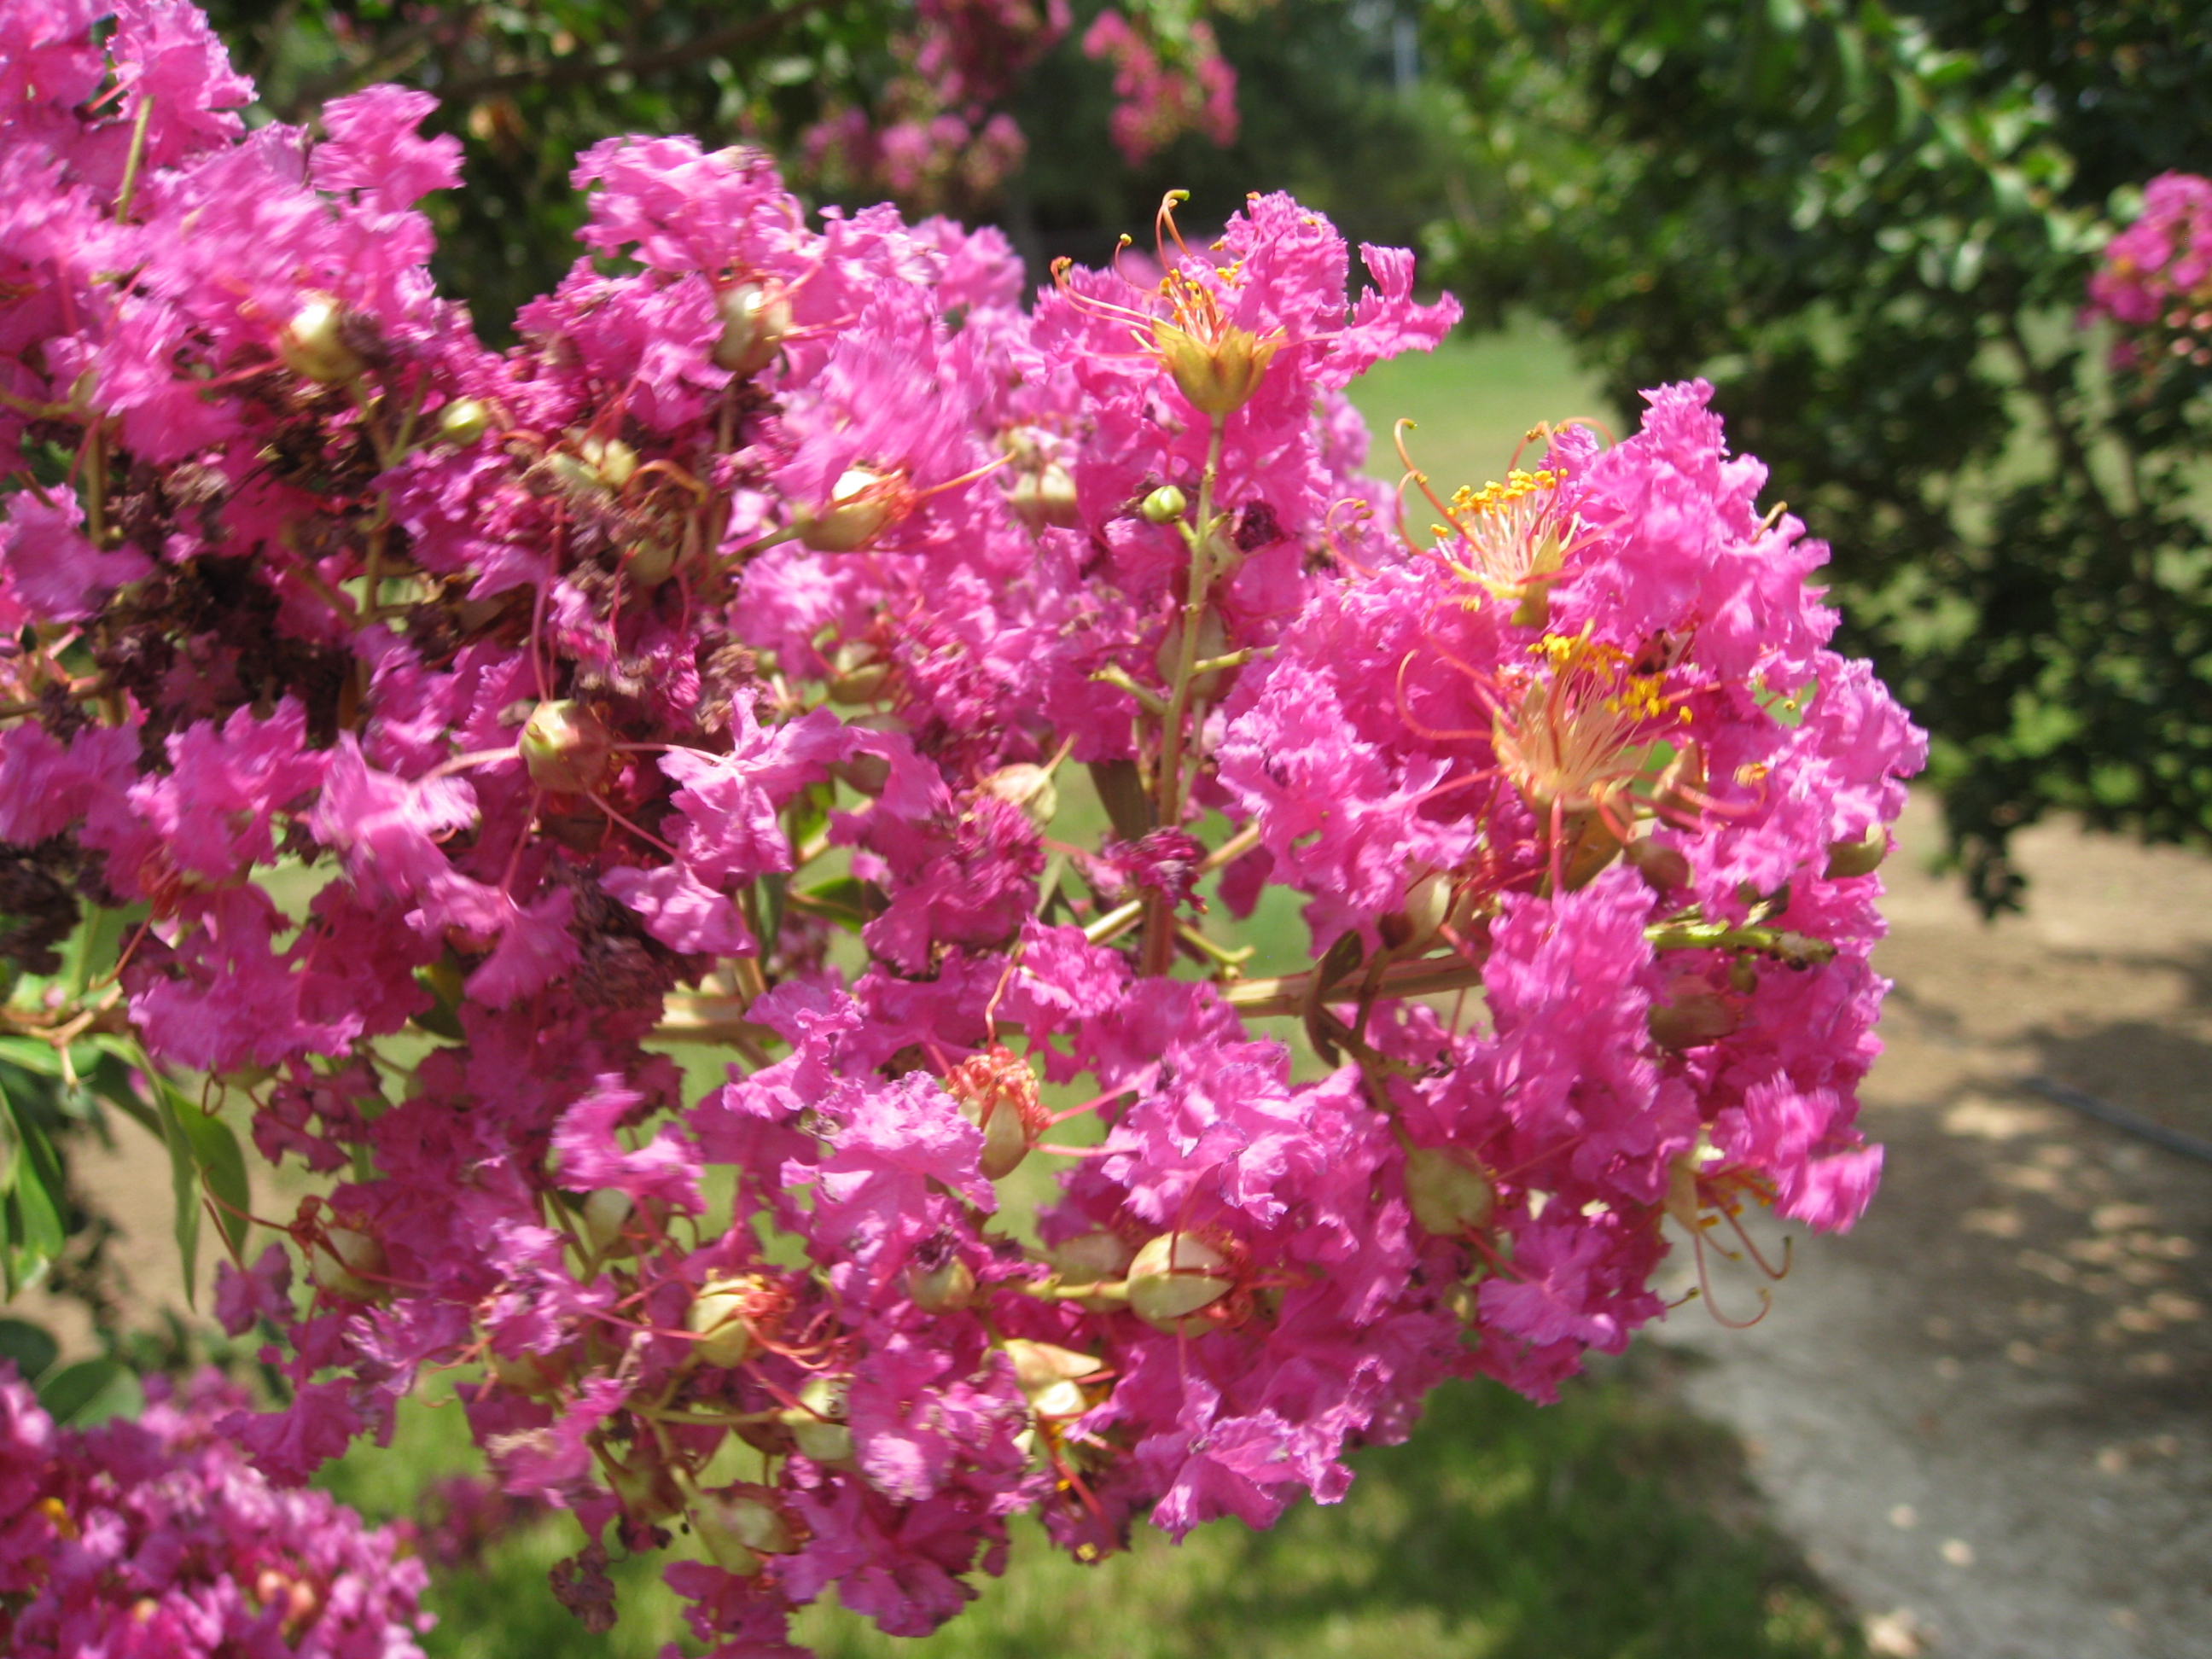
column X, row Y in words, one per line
column 527, row 88
column 1871, row 227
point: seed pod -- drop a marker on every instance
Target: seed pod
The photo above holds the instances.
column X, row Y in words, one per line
column 567, row 748
column 1165, row 505
column 1449, row 1191
column 1217, row 376
column 755, row 320
column 1174, row 1276
column 718, row 1316
column 998, row 1092
column 314, row 345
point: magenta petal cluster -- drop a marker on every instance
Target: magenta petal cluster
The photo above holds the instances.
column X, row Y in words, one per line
column 462, row 733
column 2154, row 281
column 157, row 1537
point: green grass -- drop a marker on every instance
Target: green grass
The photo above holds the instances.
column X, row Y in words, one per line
column 1472, row 401
column 1610, row 1526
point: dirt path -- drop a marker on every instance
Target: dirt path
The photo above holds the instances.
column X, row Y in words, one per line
column 1984, row 1414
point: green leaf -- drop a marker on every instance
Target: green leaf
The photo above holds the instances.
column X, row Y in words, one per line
column 845, row 900
column 40, row 1059
column 29, row 1345
column 203, row 1154
column 34, row 1206
column 92, row 1391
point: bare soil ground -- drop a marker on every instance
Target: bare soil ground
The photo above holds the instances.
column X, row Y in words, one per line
column 1984, row 1413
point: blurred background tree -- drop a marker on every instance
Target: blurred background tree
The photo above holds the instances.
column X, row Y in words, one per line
column 1871, row 227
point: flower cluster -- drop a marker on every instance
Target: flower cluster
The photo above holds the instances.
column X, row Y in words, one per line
column 2155, row 281
column 458, row 731
column 1163, row 88
column 156, row 1538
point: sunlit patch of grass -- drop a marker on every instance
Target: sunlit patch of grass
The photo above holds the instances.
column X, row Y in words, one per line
column 1611, row 1526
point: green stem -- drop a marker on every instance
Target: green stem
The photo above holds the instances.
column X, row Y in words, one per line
column 1159, row 921
column 133, row 160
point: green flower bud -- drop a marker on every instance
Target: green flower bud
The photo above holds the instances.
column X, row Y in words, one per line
column 1862, row 857
column 1449, row 1191
column 1051, row 1378
column 605, row 1213
column 863, row 504
column 567, row 748
column 464, row 420
column 948, row 1286
column 315, row 342
column 718, row 1317
column 348, row 1264
column 1045, row 497
column 1165, row 505
column 817, row 1423
column 1174, row 1276
column 755, row 320
column 738, row 1524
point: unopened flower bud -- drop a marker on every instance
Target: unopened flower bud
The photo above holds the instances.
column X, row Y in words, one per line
column 1174, row 1276
column 1028, row 787
column 1051, row 1378
column 1664, row 868
column 863, row 504
column 1217, row 376
column 1690, row 1020
column 536, row 1376
column 946, row 1287
column 998, row 1092
column 608, row 461
column 1045, row 497
column 348, row 1264
column 1165, row 505
column 740, row 1524
column 1449, row 1191
column 1093, row 1257
column 315, row 342
column 605, row 1213
column 817, row 1423
column 718, row 1318
column 1862, row 857
column 647, row 1491
column 567, row 748
column 464, row 420
column 858, row 672
column 755, row 320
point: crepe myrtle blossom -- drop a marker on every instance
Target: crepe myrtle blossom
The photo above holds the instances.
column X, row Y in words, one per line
column 436, row 735
column 157, row 1536
column 2154, row 281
